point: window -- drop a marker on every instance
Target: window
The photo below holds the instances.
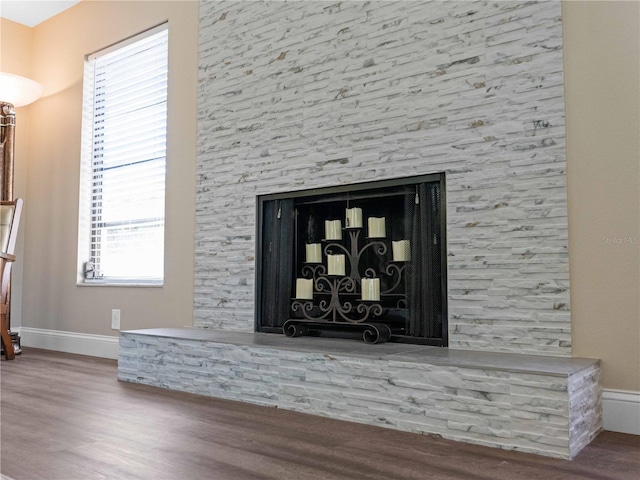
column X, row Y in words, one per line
column 124, row 153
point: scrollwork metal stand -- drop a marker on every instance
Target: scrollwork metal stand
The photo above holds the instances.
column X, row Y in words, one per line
column 335, row 304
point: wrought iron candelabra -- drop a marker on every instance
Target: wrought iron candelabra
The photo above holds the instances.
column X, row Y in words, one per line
column 328, row 296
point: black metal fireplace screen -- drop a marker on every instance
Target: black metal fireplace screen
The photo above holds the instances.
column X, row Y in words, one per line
column 365, row 259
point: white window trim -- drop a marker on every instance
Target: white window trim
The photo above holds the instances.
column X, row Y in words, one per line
column 84, row 220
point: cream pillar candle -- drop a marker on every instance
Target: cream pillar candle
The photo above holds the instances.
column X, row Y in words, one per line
column 371, row 289
column 335, row 264
column 304, row 289
column 377, row 227
column 353, row 217
column 364, row 285
column 333, row 229
column 401, row 251
column 314, row 253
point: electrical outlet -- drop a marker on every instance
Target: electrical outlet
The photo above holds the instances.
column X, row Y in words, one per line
column 115, row 319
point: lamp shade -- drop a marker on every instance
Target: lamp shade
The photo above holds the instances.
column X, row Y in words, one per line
column 18, row 91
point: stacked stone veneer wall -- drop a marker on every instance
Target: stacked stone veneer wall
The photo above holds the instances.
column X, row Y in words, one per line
column 295, row 95
column 552, row 410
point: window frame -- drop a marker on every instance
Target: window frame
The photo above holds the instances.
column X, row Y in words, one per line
column 86, row 218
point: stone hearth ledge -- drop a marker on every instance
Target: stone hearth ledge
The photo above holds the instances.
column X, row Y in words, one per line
column 538, row 404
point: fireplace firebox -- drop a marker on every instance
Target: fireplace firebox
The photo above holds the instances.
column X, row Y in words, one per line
column 366, row 260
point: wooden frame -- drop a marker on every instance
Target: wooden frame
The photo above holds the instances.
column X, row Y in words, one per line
column 7, row 258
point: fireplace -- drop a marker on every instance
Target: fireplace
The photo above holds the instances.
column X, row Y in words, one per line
column 365, row 260
column 482, row 111
column 364, row 91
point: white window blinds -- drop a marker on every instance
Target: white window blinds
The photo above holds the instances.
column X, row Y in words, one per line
column 129, row 117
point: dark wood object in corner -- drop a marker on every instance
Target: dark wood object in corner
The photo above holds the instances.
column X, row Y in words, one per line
column 9, row 220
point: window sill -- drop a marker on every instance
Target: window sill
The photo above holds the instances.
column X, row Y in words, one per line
column 118, row 284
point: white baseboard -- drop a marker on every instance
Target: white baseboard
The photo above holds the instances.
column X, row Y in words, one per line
column 621, row 411
column 70, row 342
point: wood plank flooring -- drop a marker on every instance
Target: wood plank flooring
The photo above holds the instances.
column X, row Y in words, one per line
column 67, row 417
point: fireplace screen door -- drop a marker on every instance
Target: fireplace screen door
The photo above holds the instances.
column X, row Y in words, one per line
column 363, row 260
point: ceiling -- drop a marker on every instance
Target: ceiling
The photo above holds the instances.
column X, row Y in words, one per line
column 33, row 12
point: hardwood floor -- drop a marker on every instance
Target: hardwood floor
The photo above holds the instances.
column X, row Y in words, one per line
column 67, row 417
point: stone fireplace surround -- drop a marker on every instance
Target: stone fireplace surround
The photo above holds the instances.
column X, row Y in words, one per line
column 303, row 95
